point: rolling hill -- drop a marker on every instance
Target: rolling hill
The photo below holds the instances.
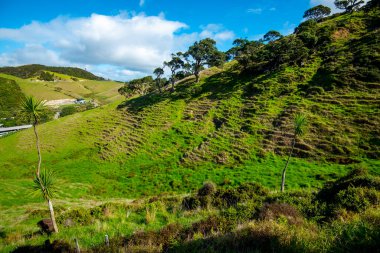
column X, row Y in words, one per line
column 233, row 127
column 32, row 70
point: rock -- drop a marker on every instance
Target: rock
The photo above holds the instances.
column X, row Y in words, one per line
column 46, row 225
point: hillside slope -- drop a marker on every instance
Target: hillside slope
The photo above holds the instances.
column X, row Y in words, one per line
column 229, row 128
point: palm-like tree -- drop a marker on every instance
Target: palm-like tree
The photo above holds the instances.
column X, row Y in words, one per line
column 299, row 125
column 32, row 109
column 44, row 183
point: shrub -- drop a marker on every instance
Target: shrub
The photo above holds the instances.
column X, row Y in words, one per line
column 68, row 110
column 208, row 188
column 275, row 211
column 77, row 216
column 190, row 203
column 231, row 197
column 357, row 198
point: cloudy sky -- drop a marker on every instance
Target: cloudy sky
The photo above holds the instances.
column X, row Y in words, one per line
column 125, row 39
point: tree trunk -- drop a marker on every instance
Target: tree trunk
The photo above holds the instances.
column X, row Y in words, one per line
column 38, row 149
column 196, row 73
column 286, row 166
column 52, row 216
column 173, row 81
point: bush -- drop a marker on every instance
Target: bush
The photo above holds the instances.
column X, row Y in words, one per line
column 68, row 110
column 77, row 216
column 208, row 188
column 245, row 192
column 357, row 198
column 191, row 203
column 275, row 211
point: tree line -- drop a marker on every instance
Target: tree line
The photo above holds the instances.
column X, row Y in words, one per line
column 258, row 56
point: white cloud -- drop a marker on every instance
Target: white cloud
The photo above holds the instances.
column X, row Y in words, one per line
column 216, row 32
column 142, row 2
column 255, row 11
column 272, row 9
column 137, row 43
column 117, row 47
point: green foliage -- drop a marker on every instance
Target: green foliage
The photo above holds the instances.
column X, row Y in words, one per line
column 10, row 98
column 272, row 36
column 46, row 76
column 357, row 198
column 32, row 109
column 317, row 12
column 45, row 184
column 68, row 110
column 300, row 123
column 140, row 86
column 203, row 53
column 348, row 5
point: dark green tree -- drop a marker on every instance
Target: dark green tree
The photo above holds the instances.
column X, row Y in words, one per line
column 348, row 5
column 272, row 36
column 372, row 4
column 158, row 72
column 175, row 64
column 235, row 51
column 299, row 125
column 317, row 12
column 203, row 53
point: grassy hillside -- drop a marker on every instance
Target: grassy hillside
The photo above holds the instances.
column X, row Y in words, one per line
column 28, row 71
column 231, row 128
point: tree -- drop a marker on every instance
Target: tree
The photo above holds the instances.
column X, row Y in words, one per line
column 317, row 12
column 33, row 109
column 45, row 184
column 235, row 51
column 372, row 4
column 203, row 53
column 272, row 36
column 158, row 72
column 174, row 64
column 299, row 125
column 348, row 5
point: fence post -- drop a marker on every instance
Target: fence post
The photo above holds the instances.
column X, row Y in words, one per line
column 107, row 241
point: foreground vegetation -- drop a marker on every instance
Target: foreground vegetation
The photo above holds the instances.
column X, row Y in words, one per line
column 341, row 217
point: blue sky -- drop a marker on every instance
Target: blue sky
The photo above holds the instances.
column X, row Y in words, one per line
column 124, row 39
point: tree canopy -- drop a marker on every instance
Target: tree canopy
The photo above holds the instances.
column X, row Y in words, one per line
column 272, row 36
column 203, row 53
column 348, row 5
column 317, row 12
column 175, row 64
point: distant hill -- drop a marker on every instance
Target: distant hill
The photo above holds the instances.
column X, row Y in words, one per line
column 28, row 71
